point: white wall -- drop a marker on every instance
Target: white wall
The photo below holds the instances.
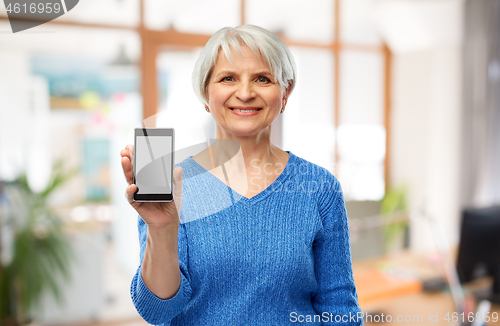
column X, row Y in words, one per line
column 426, row 119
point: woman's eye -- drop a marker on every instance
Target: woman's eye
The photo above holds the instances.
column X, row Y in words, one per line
column 227, row 79
column 263, row 79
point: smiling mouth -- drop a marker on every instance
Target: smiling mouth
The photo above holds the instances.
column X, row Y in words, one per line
column 244, row 110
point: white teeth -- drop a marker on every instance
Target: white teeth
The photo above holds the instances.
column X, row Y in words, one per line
column 238, row 110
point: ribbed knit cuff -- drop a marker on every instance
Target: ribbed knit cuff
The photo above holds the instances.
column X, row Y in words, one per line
column 155, row 310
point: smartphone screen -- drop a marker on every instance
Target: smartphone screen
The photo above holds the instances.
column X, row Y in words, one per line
column 153, row 167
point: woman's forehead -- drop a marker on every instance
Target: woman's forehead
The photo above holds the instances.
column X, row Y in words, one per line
column 237, row 57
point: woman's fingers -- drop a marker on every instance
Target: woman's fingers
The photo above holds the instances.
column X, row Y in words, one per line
column 130, row 149
column 127, row 163
column 127, row 153
column 128, row 170
column 129, row 193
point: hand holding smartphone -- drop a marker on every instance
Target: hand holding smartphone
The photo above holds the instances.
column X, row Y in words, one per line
column 153, row 164
column 153, row 150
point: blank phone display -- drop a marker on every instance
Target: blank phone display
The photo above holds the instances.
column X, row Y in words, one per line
column 153, row 164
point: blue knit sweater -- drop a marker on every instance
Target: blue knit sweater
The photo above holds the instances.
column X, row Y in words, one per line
column 281, row 257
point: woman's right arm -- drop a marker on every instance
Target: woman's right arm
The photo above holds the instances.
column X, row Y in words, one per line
column 160, row 264
column 153, row 309
column 160, row 288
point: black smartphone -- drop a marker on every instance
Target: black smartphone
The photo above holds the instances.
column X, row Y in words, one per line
column 154, row 164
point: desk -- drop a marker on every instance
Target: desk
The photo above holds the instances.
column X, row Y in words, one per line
column 417, row 307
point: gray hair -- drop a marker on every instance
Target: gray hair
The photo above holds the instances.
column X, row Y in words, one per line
column 261, row 41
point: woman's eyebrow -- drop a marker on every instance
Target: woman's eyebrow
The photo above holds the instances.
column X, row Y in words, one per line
column 230, row 72
column 225, row 72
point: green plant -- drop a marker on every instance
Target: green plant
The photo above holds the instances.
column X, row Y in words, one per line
column 40, row 252
column 394, row 201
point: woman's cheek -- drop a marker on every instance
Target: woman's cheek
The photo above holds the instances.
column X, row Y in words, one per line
column 219, row 96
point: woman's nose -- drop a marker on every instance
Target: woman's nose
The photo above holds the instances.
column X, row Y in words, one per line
column 245, row 91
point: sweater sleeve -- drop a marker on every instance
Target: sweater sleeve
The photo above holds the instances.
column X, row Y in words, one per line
column 152, row 309
column 336, row 298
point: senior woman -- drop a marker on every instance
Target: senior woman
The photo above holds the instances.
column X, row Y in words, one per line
column 277, row 251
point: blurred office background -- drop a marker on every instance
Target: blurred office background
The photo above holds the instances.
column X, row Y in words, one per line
column 397, row 98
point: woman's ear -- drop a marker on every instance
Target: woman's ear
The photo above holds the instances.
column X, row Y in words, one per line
column 286, row 95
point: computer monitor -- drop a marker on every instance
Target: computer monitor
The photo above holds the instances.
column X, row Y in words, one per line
column 479, row 248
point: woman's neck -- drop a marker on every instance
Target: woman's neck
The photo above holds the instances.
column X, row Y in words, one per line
column 256, row 150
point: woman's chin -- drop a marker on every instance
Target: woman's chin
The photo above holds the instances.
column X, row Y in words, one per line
column 244, row 131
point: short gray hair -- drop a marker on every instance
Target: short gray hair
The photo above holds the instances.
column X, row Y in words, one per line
column 261, row 41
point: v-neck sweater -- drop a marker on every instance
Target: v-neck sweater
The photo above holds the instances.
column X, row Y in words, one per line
column 281, row 257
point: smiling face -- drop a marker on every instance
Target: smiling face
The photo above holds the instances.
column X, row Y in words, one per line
column 243, row 96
